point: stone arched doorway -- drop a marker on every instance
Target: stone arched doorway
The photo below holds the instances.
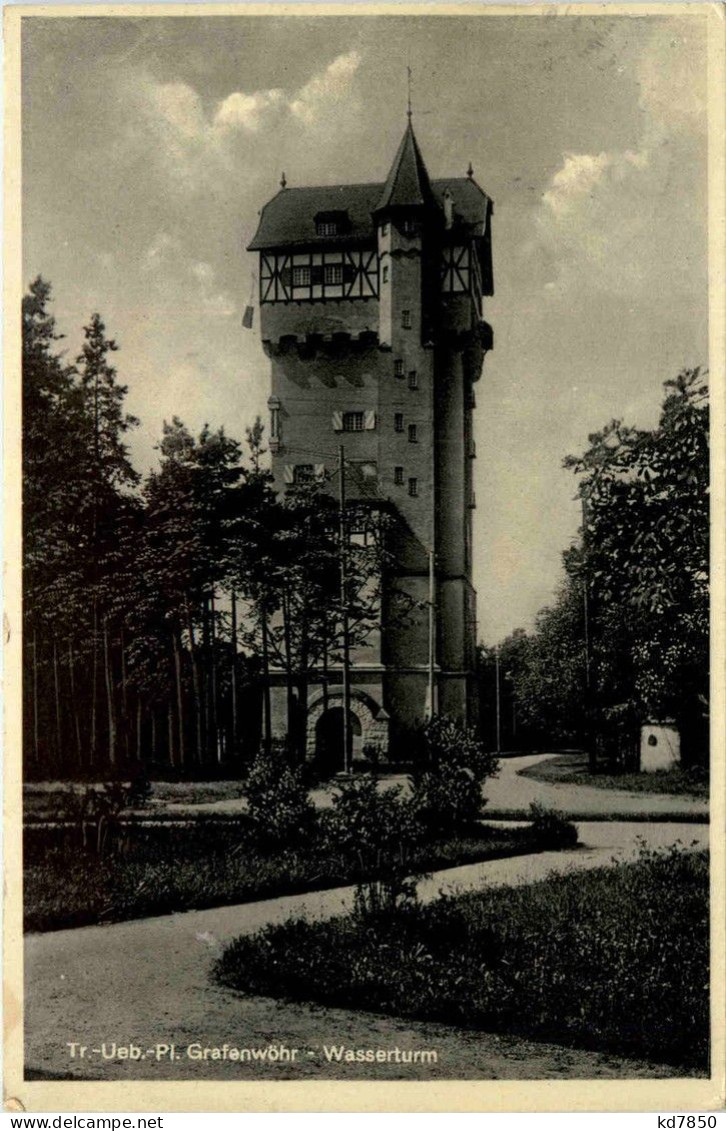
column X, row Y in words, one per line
column 329, row 754
column 369, row 726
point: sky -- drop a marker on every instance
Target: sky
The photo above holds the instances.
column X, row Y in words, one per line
column 150, row 144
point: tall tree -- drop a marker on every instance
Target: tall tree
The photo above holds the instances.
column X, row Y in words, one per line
column 108, row 473
column 52, row 487
column 645, row 551
column 185, row 558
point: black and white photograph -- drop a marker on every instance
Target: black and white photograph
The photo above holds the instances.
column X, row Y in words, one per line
column 365, row 371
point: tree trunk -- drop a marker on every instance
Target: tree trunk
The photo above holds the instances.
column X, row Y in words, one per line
column 154, row 748
column 74, row 705
column 93, row 753
column 301, row 715
column 36, row 728
column 235, row 736
column 215, row 735
column 326, row 691
column 138, row 729
column 107, row 663
column 170, row 733
column 205, row 683
column 179, row 697
column 195, row 687
column 56, row 689
column 266, row 705
column 125, row 728
column 289, row 678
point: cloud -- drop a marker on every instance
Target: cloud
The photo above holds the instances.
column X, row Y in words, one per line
column 578, row 176
column 324, row 90
column 309, row 105
column 193, row 282
column 177, row 112
column 612, row 220
column 179, row 107
column 247, row 111
column 159, row 251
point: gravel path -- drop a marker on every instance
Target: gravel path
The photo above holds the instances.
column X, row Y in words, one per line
column 510, row 791
column 147, row 982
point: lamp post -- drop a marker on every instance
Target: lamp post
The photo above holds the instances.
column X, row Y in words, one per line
column 498, row 694
column 344, row 617
column 589, row 730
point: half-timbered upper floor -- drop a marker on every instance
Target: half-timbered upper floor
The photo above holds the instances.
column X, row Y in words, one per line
column 322, row 243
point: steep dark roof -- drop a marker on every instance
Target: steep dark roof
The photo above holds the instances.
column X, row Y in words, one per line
column 288, row 220
column 407, row 185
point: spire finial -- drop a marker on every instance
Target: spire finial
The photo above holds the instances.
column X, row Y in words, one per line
column 409, row 111
column 470, row 171
column 283, row 181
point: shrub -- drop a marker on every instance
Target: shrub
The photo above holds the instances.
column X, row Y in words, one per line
column 376, row 830
column 551, row 829
column 277, row 797
column 95, row 814
column 452, row 765
column 373, row 754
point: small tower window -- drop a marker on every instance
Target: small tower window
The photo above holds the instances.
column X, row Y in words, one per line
column 409, row 227
column 301, row 276
column 304, row 473
column 398, row 422
column 398, row 476
column 406, row 319
column 412, row 437
column 352, row 421
column 327, row 227
column 275, row 431
column 398, row 367
column 413, row 379
column 413, row 487
column 385, row 274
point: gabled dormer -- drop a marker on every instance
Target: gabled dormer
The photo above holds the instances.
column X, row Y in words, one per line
column 332, row 223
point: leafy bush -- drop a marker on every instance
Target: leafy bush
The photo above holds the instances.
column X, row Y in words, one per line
column 278, row 801
column 94, row 814
column 376, row 830
column 613, row 959
column 452, row 765
column 551, row 829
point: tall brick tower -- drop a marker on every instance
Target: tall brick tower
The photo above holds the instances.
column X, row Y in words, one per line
column 371, row 314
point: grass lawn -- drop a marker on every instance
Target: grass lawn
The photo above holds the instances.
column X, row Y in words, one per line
column 615, row 959
column 42, row 800
column 573, row 769
column 673, row 816
column 207, row 864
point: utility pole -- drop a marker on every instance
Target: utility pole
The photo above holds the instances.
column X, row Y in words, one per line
column 431, row 698
column 592, row 752
column 344, row 615
column 499, row 721
column 585, row 610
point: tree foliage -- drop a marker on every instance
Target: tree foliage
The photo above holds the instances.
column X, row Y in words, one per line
column 627, row 638
column 155, row 612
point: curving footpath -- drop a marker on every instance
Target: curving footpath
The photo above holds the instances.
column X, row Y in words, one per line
column 147, row 982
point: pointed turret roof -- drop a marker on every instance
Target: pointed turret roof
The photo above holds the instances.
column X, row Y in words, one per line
column 408, row 184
